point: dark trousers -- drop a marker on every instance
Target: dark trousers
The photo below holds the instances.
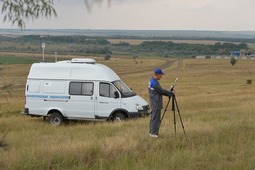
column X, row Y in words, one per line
column 155, row 121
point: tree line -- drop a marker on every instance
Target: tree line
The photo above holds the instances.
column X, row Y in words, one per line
column 167, row 49
column 100, row 45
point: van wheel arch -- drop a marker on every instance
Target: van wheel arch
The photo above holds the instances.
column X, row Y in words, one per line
column 119, row 115
column 56, row 118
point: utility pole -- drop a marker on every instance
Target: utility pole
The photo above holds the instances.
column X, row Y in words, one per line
column 56, row 56
column 43, row 46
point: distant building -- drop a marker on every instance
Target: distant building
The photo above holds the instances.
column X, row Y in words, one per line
column 200, row 57
column 211, row 57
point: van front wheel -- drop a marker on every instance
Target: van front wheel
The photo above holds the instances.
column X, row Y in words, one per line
column 56, row 119
column 119, row 116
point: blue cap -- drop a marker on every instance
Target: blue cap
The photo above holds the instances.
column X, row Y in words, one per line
column 158, row 71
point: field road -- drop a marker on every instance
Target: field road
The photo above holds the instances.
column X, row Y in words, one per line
column 166, row 65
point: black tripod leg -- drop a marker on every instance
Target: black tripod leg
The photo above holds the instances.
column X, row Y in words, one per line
column 165, row 109
column 180, row 118
column 173, row 109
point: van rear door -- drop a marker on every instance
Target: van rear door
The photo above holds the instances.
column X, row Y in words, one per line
column 82, row 100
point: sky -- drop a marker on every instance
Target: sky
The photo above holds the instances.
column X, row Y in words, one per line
column 218, row 15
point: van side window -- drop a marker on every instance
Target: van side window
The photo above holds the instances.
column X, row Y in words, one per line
column 81, row 88
column 106, row 90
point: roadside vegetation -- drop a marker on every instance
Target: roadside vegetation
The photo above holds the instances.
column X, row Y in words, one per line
column 216, row 105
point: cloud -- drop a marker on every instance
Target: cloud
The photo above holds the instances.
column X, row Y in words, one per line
column 151, row 14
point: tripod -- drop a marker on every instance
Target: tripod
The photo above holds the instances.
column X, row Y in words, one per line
column 174, row 104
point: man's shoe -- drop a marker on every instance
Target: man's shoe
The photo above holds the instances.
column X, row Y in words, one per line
column 153, row 136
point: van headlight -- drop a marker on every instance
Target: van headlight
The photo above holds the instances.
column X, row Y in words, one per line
column 139, row 107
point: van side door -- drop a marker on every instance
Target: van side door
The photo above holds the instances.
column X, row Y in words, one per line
column 107, row 101
column 82, row 100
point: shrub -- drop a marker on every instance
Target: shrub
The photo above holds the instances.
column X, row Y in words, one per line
column 233, row 61
column 107, row 57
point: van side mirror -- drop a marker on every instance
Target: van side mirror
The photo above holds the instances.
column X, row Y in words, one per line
column 116, row 95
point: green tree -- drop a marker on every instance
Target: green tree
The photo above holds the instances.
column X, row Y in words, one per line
column 107, row 57
column 233, row 61
column 16, row 11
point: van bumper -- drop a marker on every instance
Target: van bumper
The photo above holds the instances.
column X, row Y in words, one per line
column 137, row 114
column 26, row 111
column 140, row 113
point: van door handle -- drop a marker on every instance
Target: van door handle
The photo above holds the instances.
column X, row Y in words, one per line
column 103, row 102
column 91, row 98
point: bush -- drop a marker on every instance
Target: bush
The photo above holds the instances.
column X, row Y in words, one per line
column 233, row 61
column 3, row 145
column 107, row 57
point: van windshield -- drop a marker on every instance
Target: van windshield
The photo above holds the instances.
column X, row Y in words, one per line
column 123, row 88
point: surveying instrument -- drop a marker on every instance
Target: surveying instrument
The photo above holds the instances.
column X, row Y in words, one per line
column 174, row 105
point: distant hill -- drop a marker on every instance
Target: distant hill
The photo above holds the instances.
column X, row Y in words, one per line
column 135, row 33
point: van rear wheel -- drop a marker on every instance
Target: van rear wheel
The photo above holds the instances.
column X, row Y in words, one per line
column 119, row 116
column 56, row 119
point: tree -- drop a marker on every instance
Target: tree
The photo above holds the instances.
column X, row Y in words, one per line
column 107, row 57
column 233, row 61
column 16, row 11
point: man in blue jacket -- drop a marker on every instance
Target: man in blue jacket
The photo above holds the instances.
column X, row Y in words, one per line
column 156, row 101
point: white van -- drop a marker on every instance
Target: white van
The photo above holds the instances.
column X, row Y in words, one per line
column 79, row 89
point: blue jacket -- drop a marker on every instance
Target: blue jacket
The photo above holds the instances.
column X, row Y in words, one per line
column 155, row 93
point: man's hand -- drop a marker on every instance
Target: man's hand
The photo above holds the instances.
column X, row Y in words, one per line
column 173, row 91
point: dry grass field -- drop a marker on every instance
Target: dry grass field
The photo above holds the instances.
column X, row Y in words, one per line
column 216, row 105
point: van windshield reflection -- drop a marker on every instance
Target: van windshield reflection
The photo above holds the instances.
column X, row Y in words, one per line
column 123, row 88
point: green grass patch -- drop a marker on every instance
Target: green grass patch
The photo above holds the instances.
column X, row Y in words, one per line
column 15, row 60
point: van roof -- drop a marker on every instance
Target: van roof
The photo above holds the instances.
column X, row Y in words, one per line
column 72, row 70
